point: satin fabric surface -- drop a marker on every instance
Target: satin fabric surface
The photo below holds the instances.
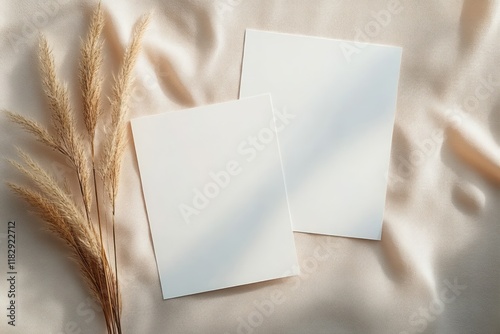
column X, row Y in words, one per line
column 437, row 267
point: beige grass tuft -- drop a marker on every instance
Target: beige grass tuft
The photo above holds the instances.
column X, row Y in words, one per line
column 115, row 144
column 31, row 126
column 90, row 79
column 66, row 216
column 67, row 137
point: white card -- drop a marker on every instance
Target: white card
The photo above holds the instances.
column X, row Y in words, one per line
column 340, row 99
column 217, row 206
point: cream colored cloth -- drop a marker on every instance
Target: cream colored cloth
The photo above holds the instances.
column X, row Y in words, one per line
column 437, row 267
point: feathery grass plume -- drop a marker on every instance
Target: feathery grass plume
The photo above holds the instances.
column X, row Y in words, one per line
column 31, row 126
column 91, row 87
column 63, row 122
column 48, row 212
column 90, row 80
column 114, row 147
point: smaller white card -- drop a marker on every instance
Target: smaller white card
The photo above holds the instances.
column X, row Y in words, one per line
column 215, row 195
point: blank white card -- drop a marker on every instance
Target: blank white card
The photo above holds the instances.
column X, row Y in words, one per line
column 337, row 100
column 215, row 196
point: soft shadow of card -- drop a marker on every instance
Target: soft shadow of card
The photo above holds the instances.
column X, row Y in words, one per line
column 215, row 195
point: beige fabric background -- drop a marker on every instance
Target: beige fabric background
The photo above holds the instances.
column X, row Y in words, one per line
column 441, row 225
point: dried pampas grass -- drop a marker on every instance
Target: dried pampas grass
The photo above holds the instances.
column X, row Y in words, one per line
column 70, row 215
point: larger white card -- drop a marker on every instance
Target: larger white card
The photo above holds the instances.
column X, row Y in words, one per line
column 213, row 185
column 340, row 100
